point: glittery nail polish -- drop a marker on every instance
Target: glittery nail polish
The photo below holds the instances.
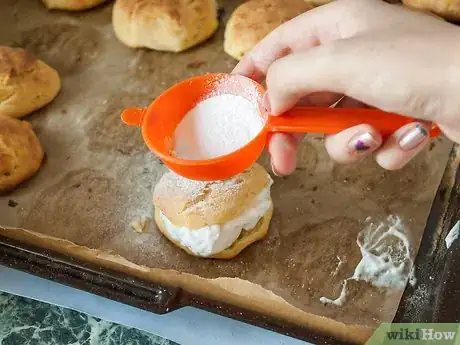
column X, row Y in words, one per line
column 363, row 142
column 413, row 138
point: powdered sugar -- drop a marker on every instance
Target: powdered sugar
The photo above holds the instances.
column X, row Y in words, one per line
column 194, row 196
column 217, row 126
column 173, row 184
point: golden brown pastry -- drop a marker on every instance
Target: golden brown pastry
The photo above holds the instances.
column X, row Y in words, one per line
column 432, row 14
column 254, row 19
column 72, row 5
column 26, row 83
column 447, row 9
column 214, row 219
column 20, row 152
column 165, row 25
column 318, row 2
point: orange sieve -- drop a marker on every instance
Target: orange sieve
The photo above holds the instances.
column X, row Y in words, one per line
column 160, row 119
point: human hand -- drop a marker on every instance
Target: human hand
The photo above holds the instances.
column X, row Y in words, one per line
column 361, row 53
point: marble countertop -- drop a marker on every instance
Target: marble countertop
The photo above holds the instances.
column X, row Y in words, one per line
column 28, row 322
column 24, row 317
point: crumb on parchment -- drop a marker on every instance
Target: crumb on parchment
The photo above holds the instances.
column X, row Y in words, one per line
column 139, row 225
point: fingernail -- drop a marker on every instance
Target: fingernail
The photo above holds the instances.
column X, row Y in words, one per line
column 266, row 103
column 413, row 138
column 275, row 172
column 363, row 142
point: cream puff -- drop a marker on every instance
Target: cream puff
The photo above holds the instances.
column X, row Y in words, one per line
column 26, row 83
column 214, row 219
column 164, row 25
column 21, row 153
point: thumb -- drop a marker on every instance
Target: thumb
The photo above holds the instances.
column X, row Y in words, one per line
column 319, row 69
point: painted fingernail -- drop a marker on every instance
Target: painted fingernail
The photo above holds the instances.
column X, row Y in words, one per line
column 266, row 103
column 275, row 171
column 413, row 138
column 363, row 142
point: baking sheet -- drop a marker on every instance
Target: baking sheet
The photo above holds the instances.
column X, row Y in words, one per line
column 98, row 177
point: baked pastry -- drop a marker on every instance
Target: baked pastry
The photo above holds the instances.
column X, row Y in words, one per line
column 324, row 2
column 214, row 219
column 20, row 152
column 447, row 9
column 26, row 83
column 254, row 19
column 318, row 2
column 164, row 25
column 409, row 8
column 72, row 5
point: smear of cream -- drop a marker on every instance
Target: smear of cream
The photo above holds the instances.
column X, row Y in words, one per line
column 386, row 261
column 339, row 301
column 453, row 234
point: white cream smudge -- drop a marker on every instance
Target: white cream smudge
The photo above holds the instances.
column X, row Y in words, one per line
column 386, row 259
column 339, row 301
column 453, row 234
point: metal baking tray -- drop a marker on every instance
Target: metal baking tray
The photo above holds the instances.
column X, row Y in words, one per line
column 437, row 269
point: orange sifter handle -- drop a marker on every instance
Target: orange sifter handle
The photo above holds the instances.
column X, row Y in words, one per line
column 334, row 120
column 133, row 116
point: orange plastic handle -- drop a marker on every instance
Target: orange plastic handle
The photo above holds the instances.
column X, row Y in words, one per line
column 133, row 116
column 334, row 120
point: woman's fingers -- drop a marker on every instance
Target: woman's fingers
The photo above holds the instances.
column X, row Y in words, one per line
column 399, row 149
column 321, row 25
column 297, row 75
column 283, row 151
column 403, row 145
column 301, row 33
column 348, row 102
column 320, row 99
column 452, row 132
column 275, row 45
column 283, row 146
column 353, row 143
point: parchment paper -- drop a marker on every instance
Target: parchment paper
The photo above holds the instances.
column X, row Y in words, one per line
column 99, row 176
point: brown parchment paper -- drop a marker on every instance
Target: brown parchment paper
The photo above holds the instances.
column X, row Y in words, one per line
column 98, row 177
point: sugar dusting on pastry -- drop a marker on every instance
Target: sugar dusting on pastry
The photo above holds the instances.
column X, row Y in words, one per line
column 195, row 191
column 192, row 196
column 215, row 238
column 207, row 218
column 386, row 258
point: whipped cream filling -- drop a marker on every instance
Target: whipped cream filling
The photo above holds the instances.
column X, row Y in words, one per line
column 215, row 238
